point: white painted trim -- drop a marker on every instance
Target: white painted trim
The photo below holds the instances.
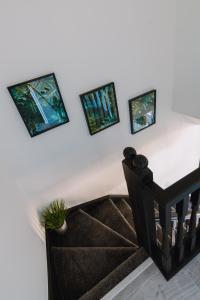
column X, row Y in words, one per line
column 127, row 280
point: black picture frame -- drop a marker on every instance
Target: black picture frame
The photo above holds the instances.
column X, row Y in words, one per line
column 112, row 102
column 132, row 103
column 60, row 100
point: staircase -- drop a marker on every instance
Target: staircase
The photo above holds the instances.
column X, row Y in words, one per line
column 100, row 247
column 98, row 250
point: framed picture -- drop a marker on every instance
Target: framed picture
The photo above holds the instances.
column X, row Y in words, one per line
column 100, row 108
column 39, row 103
column 142, row 111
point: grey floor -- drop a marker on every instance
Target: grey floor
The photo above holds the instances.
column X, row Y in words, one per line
column 151, row 285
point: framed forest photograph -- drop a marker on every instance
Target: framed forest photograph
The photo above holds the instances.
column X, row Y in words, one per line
column 39, row 103
column 100, row 108
column 142, row 111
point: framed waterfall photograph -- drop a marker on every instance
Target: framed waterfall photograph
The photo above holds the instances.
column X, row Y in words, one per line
column 142, row 111
column 100, row 108
column 39, row 103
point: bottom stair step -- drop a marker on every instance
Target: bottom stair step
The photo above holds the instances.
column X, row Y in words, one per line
column 79, row 269
column 117, row 275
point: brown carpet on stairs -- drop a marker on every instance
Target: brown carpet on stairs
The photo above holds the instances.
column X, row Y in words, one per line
column 125, row 209
column 80, row 269
column 117, row 275
column 85, row 231
column 95, row 253
column 110, row 215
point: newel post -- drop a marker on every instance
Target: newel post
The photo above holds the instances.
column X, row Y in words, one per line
column 139, row 178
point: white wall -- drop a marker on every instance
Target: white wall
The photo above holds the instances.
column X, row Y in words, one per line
column 187, row 87
column 86, row 43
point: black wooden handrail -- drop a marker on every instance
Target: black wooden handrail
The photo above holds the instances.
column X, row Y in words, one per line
column 183, row 187
column 176, row 217
column 178, row 190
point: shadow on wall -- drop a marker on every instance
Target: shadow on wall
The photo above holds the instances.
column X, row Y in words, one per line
column 176, row 152
column 173, row 154
column 34, row 217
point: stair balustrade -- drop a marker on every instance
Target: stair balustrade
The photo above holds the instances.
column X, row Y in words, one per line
column 167, row 221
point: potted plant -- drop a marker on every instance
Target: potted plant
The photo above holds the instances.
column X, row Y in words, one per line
column 54, row 216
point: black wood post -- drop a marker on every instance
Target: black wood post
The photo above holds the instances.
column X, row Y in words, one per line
column 138, row 178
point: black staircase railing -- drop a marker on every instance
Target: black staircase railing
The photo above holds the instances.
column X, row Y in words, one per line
column 166, row 221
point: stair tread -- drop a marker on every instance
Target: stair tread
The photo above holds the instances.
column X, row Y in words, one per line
column 85, row 231
column 108, row 213
column 117, row 275
column 79, row 269
column 126, row 210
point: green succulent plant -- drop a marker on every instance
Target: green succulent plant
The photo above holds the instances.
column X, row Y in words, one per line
column 53, row 217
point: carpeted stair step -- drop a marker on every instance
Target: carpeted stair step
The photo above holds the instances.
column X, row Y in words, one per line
column 78, row 270
column 85, row 231
column 108, row 213
column 117, row 275
column 126, row 210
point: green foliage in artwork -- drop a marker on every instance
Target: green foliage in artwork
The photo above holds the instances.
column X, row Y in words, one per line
column 141, row 120
column 143, row 105
column 142, row 110
column 101, row 108
column 27, row 107
column 39, row 104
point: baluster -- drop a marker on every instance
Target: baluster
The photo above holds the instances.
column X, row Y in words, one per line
column 165, row 221
column 181, row 210
column 195, row 201
column 198, row 221
column 174, row 229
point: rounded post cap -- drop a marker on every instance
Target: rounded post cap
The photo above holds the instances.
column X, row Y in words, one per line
column 140, row 162
column 129, row 153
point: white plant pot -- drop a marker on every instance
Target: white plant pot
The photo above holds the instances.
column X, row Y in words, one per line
column 63, row 228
